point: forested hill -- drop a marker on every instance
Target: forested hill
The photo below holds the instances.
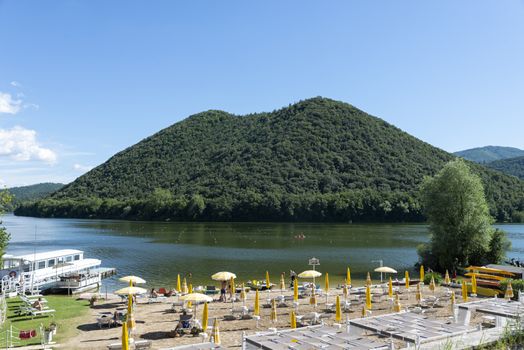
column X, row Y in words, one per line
column 490, row 153
column 512, row 166
column 316, row 160
column 31, row 192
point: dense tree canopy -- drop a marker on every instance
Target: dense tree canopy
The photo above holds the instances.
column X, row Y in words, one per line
column 31, row 193
column 317, row 160
column 460, row 224
column 511, row 166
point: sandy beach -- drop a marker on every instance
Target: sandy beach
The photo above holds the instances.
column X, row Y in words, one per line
column 156, row 320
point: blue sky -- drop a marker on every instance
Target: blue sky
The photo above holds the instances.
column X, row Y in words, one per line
column 81, row 80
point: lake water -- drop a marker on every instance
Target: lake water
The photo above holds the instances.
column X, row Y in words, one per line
column 157, row 251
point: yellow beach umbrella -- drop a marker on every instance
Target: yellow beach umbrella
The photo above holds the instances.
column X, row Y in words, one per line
column 256, row 310
column 473, row 285
column 364, row 311
column 215, row 335
column 397, row 307
column 390, row 288
column 326, row 283
column 190, row 290
column 274, row 311
column 419, row 292
column 282, row 282
column 223, row 276
column 131, row 290
column 309, row 274
column 295, row 290
column 368, row 280
column 293, row 317
column 125, row 337
column 432, row 285
column 185, row 290
column 243, row 295
column 406, row 277
column 509, row 291
column 348, row 277
column 178, row 284
column 132, row 279
column 368, row 298
column 338, row 310
column 205, row 317
column 268, row 282
column 421, row 273
column 464, row 292
column 130, row 320
column 197, row 298
column 447, row 280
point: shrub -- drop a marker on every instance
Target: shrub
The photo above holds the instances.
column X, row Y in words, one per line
column 437, row 276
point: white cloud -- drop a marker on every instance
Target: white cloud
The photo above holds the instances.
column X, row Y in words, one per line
column 82, row 168
column 8, row 104
column 16, row 84
column 20, row 144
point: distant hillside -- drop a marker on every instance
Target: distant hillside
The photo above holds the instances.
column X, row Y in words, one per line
column 316, row 160
column 33, row 192
column 490, row 153
column 512, row 166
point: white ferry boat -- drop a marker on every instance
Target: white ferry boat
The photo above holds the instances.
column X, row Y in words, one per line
column 60, row 270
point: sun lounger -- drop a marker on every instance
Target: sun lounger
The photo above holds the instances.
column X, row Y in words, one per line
column 105, row 321
column 158, row 299
column 139, row 344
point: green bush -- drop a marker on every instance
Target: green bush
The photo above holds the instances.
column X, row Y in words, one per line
column 517, row 285
column 437, row 276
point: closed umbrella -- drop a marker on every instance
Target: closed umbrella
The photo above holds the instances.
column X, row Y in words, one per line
column 125, row 337
column 419, row 293
column 190, row 290
column 215, row 335
column 243, row 294
column 185, row 290
column 473, row 286
column 232, row 288
column 447, row 280
column 326, row 283
column 397, row 307
column 422, row 273
column 268, row 282
column 223, row 276
column 132, row 279
column 368, row 298
column 452, row 301
column 368, row 280
column 390, row 288
column 348, row 277
column 338, row 310
column 130, row 320
column 406, row 278
column 464, row 292
column 432, row 284
column 363, row 311
column 178, row 284
column 282, row 283
column 295, row 291
column 509, row 291
column 205, row 317
column 256, row 310
column 274, row 311
column 293, row 317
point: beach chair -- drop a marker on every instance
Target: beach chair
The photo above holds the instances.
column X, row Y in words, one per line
column 143, row 344
column 210, row 290
column 105, row 321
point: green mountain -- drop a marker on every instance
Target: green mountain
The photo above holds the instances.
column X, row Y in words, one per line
column 512, row 166
column 316, row 160
column 32, row 192
column 490, row 153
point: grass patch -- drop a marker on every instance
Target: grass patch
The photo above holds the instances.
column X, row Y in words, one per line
column 69, row 311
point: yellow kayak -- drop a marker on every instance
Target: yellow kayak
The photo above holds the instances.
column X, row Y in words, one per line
column 490, row 270
column 485, row 292
column 485, row 276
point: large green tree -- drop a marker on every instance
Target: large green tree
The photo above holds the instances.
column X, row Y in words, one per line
column 5, row 199
column 460, row 223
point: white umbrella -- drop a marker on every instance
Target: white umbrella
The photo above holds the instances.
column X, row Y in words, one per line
column 309, row 274
column 223, row 276
column 133, row 279
column 385, row 269
column 131, row 290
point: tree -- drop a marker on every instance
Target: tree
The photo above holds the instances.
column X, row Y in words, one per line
column 459, row 219
column 5, row 200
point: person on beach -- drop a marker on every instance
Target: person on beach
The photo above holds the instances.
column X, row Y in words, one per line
column 223, row 291
column 38, row 304
column 154, row 293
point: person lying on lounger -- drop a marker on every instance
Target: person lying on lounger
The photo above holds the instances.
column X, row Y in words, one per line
column 38, row 304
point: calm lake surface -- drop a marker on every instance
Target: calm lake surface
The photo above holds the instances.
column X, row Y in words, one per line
column 157, row 251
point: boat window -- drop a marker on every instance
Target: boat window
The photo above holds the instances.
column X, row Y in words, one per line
column 51, row 262
column 61, row 260
column 41, row 265
column 69, row 258
column 77, row 257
